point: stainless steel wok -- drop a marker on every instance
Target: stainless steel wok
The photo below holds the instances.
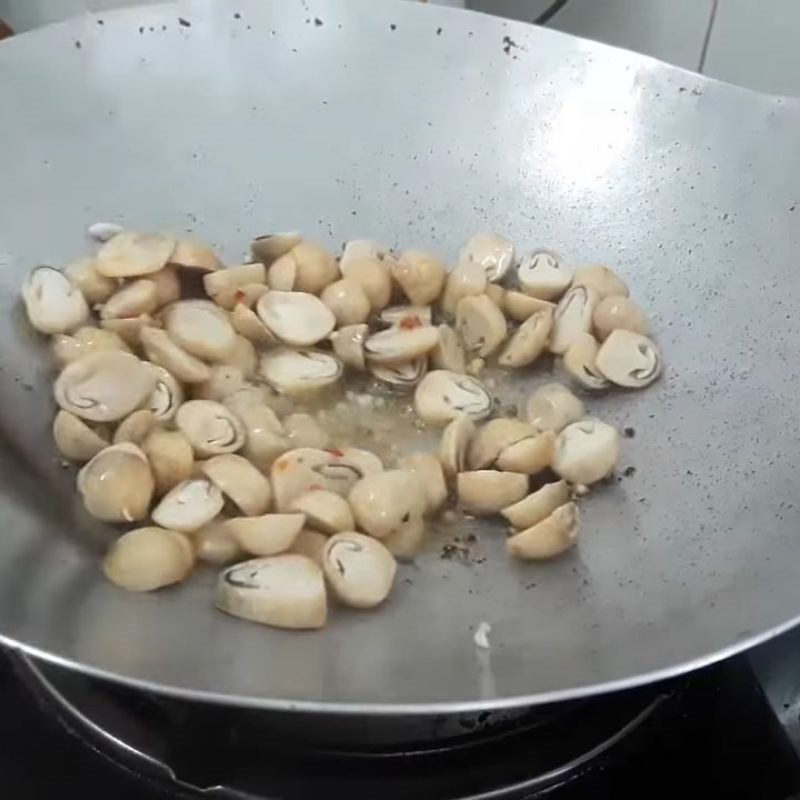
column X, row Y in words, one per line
column 419, row 126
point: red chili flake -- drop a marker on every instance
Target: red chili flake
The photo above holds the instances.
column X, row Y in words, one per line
column 336, row 453
column 240, row 296
column 410, row 322
column 315, row 487
column 282, row 465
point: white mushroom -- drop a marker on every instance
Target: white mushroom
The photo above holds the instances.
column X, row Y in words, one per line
column 302, row 430
column 398, row 345
column 383, row 502
column 552, row 407
column 430, row 474
column 96, row 288
column 297, row 318
column 129, row 329
column 146, row 559
column 129, row 254
column 442, row 396
column 266, row 438
column 282, row 274
column 406, row 542
column 549, row 538
column 52, row 302
column 135, row 298
column 166, row 396
column 466, row 280
column 519, row 306
column 347, row 300
column 171, row 458
column 225, row 286
column 75, row 439
column 586, row 451
column 454, row 446
column 493, row 253
column 488, row 492
column 603, row 280
column 201, row 328
column 629, row 359
column 359, row 249
column 493, row 438
column 572, row 317
column 214, row 544
column 496, row 294
column 196, row 255
column 316, row 267
column 373, row 276
column 117, row 484
column 136, row 427
column 616, row 312
column 544, row 275
column 211, row 427
column 189, row 505
column 298, row 372
column 249, row 395
column 420, row 275
column 529, row 341
column 161, row 350
column 530, row 455
column 537, row 506
column 247, row 323
column 105, row 386
column 348, row 345
column 240, row 482
column 243, row 357
column 449, row 351
column 481, row 325
column 266, row 535
column 402, row 377
column 223, row 381
column 406, row 317
column 66, row 348
column 168, row 286
column 310, row 544
column 359, row 569
column 580, row 361
column 324, row 511
column 273, row 245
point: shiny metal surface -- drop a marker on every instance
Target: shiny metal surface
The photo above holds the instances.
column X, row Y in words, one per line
column 376, row 122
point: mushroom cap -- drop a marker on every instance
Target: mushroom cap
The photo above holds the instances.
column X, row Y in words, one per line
column 449, row 351
column 239, row 481
column 136, row 427
column 52, row 302
column 488, row 492
column 454, row 446
column 493, row 253
column 442, row 396
column 399, row 345
column 573, row 316
column 359, row 249
column 297, row 318
column 348, row 345
column 537, row 506
column 171, row 458
column 493, row 437
column 214, row 544
column 406, row 542
column 212, row 428
column 266, row 437
column 552, row 407
column 265, row 535
column 83, row 274
column 310, row 544
column 549, row 538
column 270, row 246
column 66, row 348
column 282, row 274
column 166, row 396
column 586, row 451
column 530, row 455
column 316, row 267
column 135, row 298
column 580, row 361
column 161, row 350
column 420, row 275
column 129, row 329
column 167, row 285
column 618, row 312
column 529, row 341
column 465, row 280
column 629, row 359
column 373, row 276
column 543, row 274
column 481, row 325
column 189, row 505
column 359, row 569
column 430, row 474
column 403, row 376
column 223, row 380
column 201, row 328
column 224, row 286
column 243, row 357
column 75, row 439
column 297, row 372
column 324, row 511
column 602, row 279
column 247, row 323
column 382, row 502
column 302, row 430
column 347, row 300
column 105, row 386
column 194, row 254
column 286, row 591
column 129, row 254
column 519, row 306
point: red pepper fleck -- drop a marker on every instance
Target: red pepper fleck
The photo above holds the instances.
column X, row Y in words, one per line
column 282, row 465
column 315, row 487
column 336, row 453
column 410, row 322
column 240, row 296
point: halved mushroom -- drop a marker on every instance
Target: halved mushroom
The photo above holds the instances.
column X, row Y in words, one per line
column 243, row 357
column 552, row 407
column 481, row 325
column 519, row 306
column 297, row 318
column 493, row 253
column 586, row 451
column 406, row 542
column 194, row 254
column 96, row 288
column 189, row 505
column 401, row 377
column 359, row 569
column 494, row 437
column 117, row 484
column 310, row 544
column 129, row 254
column 247, row 323
column 580, row 362
column 168, row 286
column 66, row 348
column 549, row 538
column 52, row 302
column 129, row 329
column 224, row 285
column 372, row 275
column 161, row 350
column 358, row 249
column 240, row 482
column 103, row 231
column 384, row 501
column 430, row 474
column 316, row 267
column 466, row 280
column 603, row 280
column 347, row 300
column 223, row 381
column 286, row 591
column 420, row 275
column 496, row 294
column 249, row 395
column 298, row 372
column 629, row 359
column 282, row 274
column 530, row 455
column 324, row 511
column 266, row 437
column 75, row 439
column 149, row 558
column 442, row 396
column 348, row 345
column 105, row 386
column 201, row 328
column 136, row 427
column 133, row 299
column 572, row 317
column 616, row 312
column 211, row 427
column 488, row 492
column 449, row 351
column 166, row 396
column 454, row 446
column 214, row 544
column 406, row 317
column 302, row 430
column 537, row 506
column 171, row 458
column 529, row 341
column 273, row 245
column 266, row 535
column 398, row 345
column 544, row 275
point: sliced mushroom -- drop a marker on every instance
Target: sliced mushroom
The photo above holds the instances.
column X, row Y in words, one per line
column 96, row 288
column 406, row 317
column 544, row 275
column 166, row 396
column 129, row 254
column 171, row 458
column 373, row 276
column 493, row 438
column 214, row 544
column 194, row 254
column 52, row 302
column 580, row 361
column 398, row 345
column 493, row 253
column 529, row 341
column 430, row 474
column 149, row 558
column 359, row 569
column 454, row 445
column 552, row 407
column 586, row 451
column 168, row 286
column 520, row 306
column 266, row 437
column 572, row 317
column 286, row 591
column 420, row 275
column 466, row 280
column 302, row 430
column 133, row 299
column 530, row 455
column 161, row 350
column 210, row 427
column 247, row 323
column 298, row 372
column 129, row 330
column 266, row 535
column 442, row 396
column 316, row 267
column 382, row 502
column 324, row 511
column 537, row 506
column 400, row 377
column 240, row 482
column 616, row 312
column 201, row 328
column 273, row 245
column 406, row 542
column 136, row 427
column 85, row 340
column 310, row 544
column 347, row 300
column 549, row 538
column 449, row 351
column 117, row 484
column 75, row 439
column 629, row 359
column 297, row 318
column 224, row 285
column 603, row 280
column 189, row 505
column 481, row 325
column 223, row 381
column 105, row 386
column 348, row 345
column 488, row 492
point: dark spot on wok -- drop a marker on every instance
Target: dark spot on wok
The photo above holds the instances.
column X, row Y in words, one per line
column 393, row 27
column 184, row 22
column 317, row 22
column 629, row 472
column 438, row 31
column 237, row 15
column 78, row 44
column 629, row 433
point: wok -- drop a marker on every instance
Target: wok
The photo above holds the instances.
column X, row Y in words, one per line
column 419, row 126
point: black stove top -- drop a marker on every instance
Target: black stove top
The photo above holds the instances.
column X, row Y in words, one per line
column 712, row 734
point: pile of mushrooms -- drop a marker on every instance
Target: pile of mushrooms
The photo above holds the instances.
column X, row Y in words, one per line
column 190, row 392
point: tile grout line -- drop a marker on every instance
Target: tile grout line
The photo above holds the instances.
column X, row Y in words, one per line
column 707, row 38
